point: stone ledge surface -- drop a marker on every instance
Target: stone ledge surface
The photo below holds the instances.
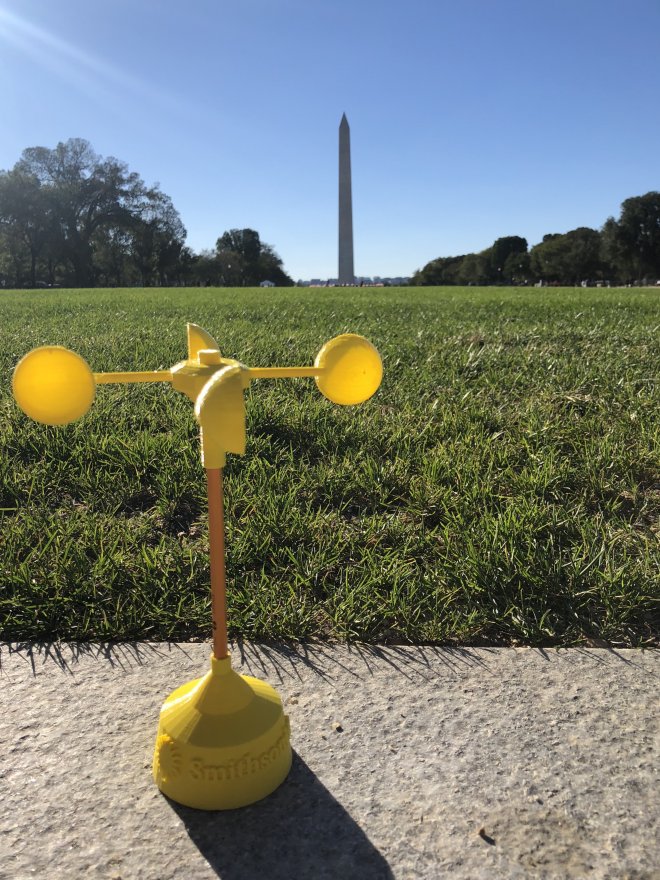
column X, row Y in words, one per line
column 409, row 763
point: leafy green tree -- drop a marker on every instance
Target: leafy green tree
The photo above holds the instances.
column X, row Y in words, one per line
column 14, row 270
column 270, row 268
column 499, row 253
column 517, row 269
column 246, row 244
column 245, row 261
column 487, row 267
column 635, row 240
column 570, row 258
column 83, row 195
column 613, row 253
column 67, row 210
column 443, row 270
column 27, row 218
column 157, row 238
column 202, row 269
column 474, row 269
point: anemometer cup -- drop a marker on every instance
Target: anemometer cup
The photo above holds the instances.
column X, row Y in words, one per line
column 352, row 369
column 53, row 385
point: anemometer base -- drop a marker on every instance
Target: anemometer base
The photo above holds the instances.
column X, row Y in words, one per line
column 223, row 741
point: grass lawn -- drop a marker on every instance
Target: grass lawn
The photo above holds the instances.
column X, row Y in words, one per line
column 502, row 487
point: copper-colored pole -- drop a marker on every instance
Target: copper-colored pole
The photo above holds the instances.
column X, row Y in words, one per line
column 217, row 554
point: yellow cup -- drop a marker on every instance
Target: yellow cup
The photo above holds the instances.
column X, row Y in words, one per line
column 352, row 369
column 53, row 385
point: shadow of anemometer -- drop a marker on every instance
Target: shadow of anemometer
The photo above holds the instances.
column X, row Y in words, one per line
column 299, row 831
column 414, row 662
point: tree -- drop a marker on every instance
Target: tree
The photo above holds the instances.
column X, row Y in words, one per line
column 517, row 269
column 634, row 241
column 244, row 260
column 613, row 253
column 487, row 267
column 70, row 217
column 500, row 251
column 27, row 217
column 443, row 270
column 91, row 217
column 569, row 258
column 270, row 267
column 474, row 269
column 157, row 238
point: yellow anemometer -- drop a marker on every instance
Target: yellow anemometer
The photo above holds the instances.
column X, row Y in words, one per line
column 223, row 739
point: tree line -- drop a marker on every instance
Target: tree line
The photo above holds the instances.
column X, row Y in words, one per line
column 624, row 251
column 70, row 218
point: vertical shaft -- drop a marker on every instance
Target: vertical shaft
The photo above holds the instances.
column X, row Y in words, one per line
column 217, row 555
column 346, row 269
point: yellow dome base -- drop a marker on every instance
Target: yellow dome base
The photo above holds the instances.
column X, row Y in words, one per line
column 223, row 741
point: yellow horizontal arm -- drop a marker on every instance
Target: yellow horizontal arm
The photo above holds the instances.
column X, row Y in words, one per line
column 284, row 372
column 153, row 376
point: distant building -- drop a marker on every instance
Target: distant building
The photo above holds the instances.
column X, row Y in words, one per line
column 377, row 281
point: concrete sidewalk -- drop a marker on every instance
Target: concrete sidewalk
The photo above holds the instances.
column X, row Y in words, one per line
column 409, row 763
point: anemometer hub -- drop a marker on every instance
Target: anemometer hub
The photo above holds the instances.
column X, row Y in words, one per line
column 223, row 740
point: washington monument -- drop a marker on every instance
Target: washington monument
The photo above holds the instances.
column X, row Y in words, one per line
column 346, row 273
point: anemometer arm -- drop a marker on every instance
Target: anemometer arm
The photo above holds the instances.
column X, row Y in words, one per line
column 130, row 378
column 56, row 386
column 285, row 372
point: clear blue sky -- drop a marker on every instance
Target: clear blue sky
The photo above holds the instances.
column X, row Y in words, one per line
column 470, row 119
